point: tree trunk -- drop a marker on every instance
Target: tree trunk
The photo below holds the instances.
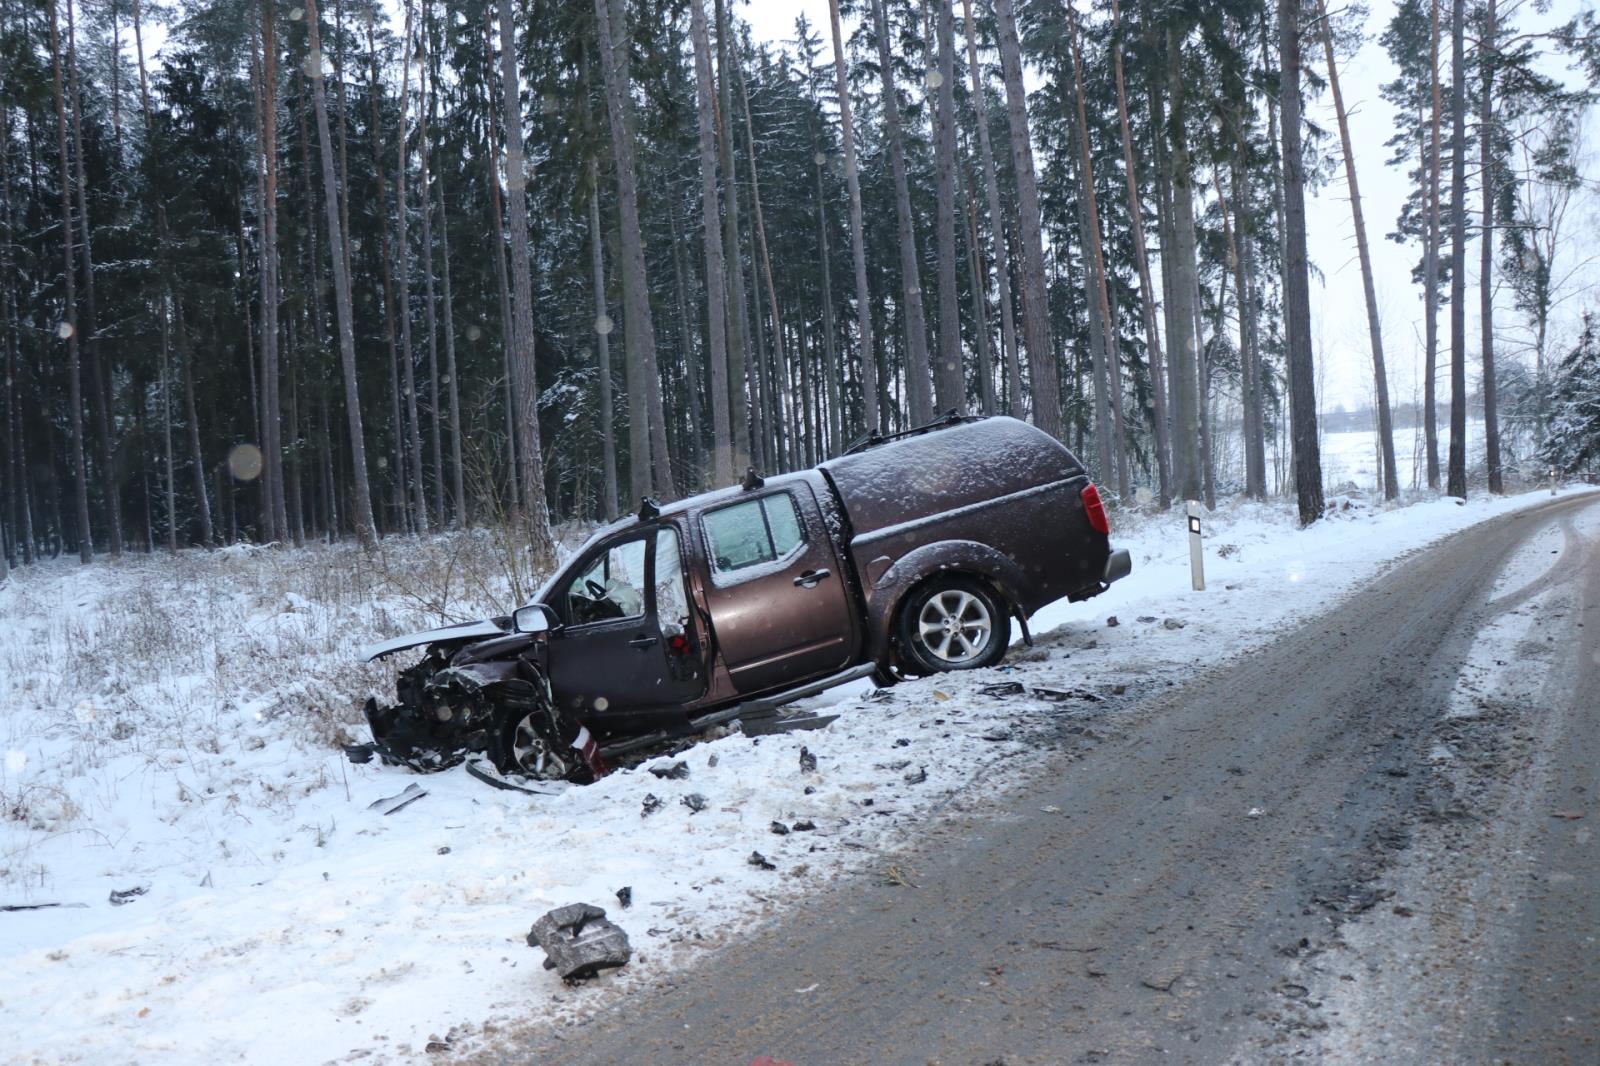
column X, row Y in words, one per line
column 69, row 325
column 362, row 502
column 918, row 385
column 716, row 299
column 649, row 464
column 458, row 480
column 1181, row 334
column 100, row 393
column 997, row 228
column 1042, row 366
column 1456, row 479
column 780, row 360
column 875, row 407
column 742, row 392
column 608, row 440
column 1489, row 54
column 208, row 535
column 541, row 548
column 396, row 420
column 1380, row 377
column 1430, row 270
column 167, row 465
column 508, row 325
column 1296, row 276
column 1097, row 273
column 949, row 380
column 1242, row 249
column 430, row 307
column 987, row 400
column 1147, row 298
column 402, row 252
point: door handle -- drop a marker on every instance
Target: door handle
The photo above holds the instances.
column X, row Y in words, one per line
column 642, row 642
column 810, row 578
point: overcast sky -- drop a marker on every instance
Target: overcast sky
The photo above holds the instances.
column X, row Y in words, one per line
column 1339, row 324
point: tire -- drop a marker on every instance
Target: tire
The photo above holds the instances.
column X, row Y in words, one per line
column 952, row 623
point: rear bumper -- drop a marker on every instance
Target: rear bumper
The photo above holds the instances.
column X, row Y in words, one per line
column 1119, row 564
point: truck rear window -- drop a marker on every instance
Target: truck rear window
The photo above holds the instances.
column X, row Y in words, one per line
column 753, row 532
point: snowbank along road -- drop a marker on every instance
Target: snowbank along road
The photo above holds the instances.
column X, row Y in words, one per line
column 1372, row 840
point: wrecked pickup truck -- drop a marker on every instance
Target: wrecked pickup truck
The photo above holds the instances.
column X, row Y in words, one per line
column 907, row 555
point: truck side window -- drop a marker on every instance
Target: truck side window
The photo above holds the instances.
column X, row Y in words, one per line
column 611, row 587
column 753, row 532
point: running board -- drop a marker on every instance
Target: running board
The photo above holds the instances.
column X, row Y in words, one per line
column 754, row 709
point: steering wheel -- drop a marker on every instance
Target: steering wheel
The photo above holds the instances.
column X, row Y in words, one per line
column 596, row 590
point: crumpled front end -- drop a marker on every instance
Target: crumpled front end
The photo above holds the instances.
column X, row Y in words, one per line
column 451, row 710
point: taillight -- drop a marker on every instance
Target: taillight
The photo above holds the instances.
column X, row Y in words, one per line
column 1095, row 509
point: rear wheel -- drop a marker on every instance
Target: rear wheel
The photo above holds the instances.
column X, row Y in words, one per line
column 953, row 623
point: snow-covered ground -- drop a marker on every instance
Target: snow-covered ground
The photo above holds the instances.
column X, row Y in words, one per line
column 173, row 725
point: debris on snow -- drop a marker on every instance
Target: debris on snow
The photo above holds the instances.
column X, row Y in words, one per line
column 398, row 802
column 652, row 804
column 808, row 761
column 917, row 776
column 127, row 895
column 695, row 802
column 1172, row 623
column 580, row 941
column 675, row 772
column 625, row 896
column 761, row 861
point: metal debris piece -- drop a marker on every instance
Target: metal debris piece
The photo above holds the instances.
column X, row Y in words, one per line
column 675, row 772
column 391, row 804
column 695, row 802
column 781, row 723
column 779, row 829
column 1147, row 618
column 759, row 860
column 808, row 761
column 625, row 896
column 805, row 825
column 1004, row 688
column 1112, row 622
column 652, row 804
column 579, row 941
column 1172, row 623
column 127, row 895
column 9, row 907
column 476, row 770
column 1061, row 695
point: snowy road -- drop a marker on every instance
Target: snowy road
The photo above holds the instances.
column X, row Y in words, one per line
column 1372, row 840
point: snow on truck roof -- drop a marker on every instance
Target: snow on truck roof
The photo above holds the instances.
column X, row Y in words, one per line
column 953, row 466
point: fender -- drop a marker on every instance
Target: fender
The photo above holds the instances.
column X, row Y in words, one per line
column 964, row 556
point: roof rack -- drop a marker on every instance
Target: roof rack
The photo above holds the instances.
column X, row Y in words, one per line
column 872, row 438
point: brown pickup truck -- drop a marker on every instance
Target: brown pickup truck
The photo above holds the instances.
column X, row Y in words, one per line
column 905, row 556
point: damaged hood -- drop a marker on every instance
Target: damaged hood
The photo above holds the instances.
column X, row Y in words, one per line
column 464, row 631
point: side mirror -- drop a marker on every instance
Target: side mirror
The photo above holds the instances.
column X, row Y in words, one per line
column 535, row 618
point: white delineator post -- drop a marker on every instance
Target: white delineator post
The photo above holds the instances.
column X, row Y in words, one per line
column 1197, row 559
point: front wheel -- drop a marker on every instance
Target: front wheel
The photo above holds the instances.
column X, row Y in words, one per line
column 953, row 623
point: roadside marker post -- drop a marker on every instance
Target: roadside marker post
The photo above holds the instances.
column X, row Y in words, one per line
column 1197, row 560
column 1552, row 481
